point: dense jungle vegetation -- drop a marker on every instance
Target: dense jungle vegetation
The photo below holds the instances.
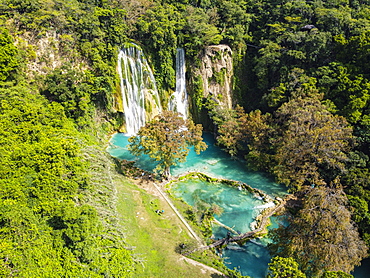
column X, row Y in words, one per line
column 301, row 83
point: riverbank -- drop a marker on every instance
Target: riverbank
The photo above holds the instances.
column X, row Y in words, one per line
column 154, row 237
column 214, row 163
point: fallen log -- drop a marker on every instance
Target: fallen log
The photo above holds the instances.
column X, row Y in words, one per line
column 226, row 227
column 227, row 239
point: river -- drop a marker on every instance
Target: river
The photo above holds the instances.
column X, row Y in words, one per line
column 239, row 207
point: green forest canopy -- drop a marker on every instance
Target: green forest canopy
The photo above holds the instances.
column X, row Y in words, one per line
column 57, row 84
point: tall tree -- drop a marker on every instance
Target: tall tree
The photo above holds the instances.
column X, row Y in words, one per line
column 230, row 127
column 280, row 267
column 167, row 139
column 238, row 131
column 47, row 226
column 336, row 274
column 311, row 148
column 157, row 29
column 8, row 55
column 322, row 237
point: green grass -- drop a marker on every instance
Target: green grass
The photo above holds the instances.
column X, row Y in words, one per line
column 153, row 237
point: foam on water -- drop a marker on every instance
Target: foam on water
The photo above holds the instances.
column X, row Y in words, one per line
column 238, row 206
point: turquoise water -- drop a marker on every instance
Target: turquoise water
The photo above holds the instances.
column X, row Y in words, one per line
column 118, row 148
column 239, row 210
column 239, row 207
column 252, row 258
column 213, row 162
column 364, row 270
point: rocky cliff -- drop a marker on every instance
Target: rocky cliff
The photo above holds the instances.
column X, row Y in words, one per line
column 213, row 78
column 217, row 71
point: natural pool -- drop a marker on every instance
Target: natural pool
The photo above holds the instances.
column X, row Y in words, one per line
column 252, row 258
column 239, row 207
column 213, row 162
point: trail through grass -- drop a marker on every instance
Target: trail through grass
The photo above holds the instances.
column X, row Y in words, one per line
column 154, row 237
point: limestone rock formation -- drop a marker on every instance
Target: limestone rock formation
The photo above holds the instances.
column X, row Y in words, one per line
column 217, row 71
column 212, row 78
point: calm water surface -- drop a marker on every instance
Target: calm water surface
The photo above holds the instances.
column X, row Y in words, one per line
column 213, row 161
column 239, row 208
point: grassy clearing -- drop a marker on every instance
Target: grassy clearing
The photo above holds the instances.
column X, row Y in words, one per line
column 154, row 237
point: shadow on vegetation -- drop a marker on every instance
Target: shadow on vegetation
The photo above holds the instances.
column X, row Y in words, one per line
column 215, row 275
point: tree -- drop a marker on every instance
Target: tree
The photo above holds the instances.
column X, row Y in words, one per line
column 167, row 139
column 48, row 225
column 357, row 184
column 158, row 29
column 230, row 127
column 238, row 131
column 198, row 32
column 336, row 274
column 322, row 237
column 8, row 55
column 234, row 21
column 280, row 267
column 312, row 146
column 68, row 87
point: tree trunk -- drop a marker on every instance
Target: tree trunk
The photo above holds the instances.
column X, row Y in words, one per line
column 167, row 173
column 262, row 226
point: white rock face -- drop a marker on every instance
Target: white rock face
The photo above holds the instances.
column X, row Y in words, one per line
column 217, row 73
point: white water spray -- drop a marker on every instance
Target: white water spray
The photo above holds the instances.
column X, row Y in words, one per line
column 138, row 88
column 267, row 205
column 179, row 99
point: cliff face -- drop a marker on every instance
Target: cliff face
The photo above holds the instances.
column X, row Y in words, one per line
column 47, row 52
column 217, row 71
column 212, row 79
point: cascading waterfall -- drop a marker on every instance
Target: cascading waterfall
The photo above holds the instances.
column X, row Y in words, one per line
column 138, row 88
column 179, row 99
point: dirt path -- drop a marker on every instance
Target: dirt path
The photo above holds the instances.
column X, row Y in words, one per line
column 203, row 266
column 172, row 215
column 182, row 219
column 156, row 190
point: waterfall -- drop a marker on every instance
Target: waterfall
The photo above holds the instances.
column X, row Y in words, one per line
column 140, row 97
column 179, row 99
